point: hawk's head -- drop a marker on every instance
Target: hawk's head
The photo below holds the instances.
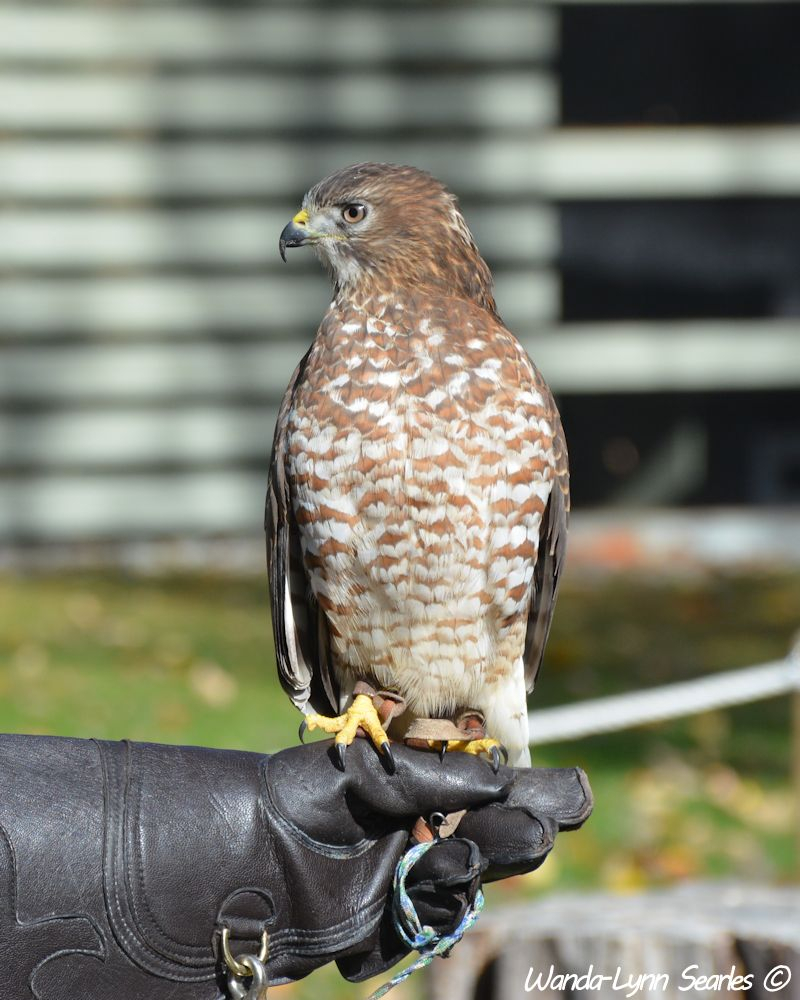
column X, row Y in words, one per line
column 379, row 227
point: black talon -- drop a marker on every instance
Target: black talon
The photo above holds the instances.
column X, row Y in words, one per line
column 495, row 759
column 386, row 750
column 301, row 732
column 442, row 749
column 504, row 752
column 341, row 750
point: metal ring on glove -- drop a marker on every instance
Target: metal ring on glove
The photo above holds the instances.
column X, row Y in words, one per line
column 233, row 963
column 259, row 981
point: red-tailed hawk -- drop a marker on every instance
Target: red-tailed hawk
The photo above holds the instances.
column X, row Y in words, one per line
column 417, row 507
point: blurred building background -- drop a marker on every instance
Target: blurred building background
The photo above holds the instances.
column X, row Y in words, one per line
column 632, row 174
column 631, row 171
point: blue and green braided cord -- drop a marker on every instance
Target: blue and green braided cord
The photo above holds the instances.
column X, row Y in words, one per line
column 423, row 939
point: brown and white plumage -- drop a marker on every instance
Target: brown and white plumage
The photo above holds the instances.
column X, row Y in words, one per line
column 418, row 497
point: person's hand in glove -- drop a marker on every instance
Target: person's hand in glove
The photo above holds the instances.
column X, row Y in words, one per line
column 151, row 852
column 511, row 821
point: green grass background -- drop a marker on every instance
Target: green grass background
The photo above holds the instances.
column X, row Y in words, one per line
column 189, row 659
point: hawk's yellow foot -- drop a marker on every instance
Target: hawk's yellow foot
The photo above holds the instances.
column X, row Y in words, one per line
column 361, row 713
column 494, row 748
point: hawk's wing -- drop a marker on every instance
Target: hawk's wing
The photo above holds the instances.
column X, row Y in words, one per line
column 299, row 625
column 550, row 559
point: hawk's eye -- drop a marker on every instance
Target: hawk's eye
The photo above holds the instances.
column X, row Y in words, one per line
column 354, row 212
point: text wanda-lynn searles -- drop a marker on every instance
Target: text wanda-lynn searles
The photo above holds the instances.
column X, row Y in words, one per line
column 691, row 979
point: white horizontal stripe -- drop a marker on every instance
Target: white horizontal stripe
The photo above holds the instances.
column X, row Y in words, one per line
column 209, row 304
column 259, row 101
column 644, row 357
column 189, row 305
column 107, row 238
column 625, row 163
column 146, row 372
column 670, row 701
column 114, row 168
column 660, row 539
column 63, row 507
column 668, row 162
column 284, row 38
column 599, row 358
column 128, row 437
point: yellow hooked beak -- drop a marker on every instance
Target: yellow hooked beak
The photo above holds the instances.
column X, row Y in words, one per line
column 295, row 234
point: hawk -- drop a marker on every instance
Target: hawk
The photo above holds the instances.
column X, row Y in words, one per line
column 418, row 493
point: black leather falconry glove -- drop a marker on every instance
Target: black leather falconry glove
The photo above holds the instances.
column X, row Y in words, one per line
column 122, row 863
